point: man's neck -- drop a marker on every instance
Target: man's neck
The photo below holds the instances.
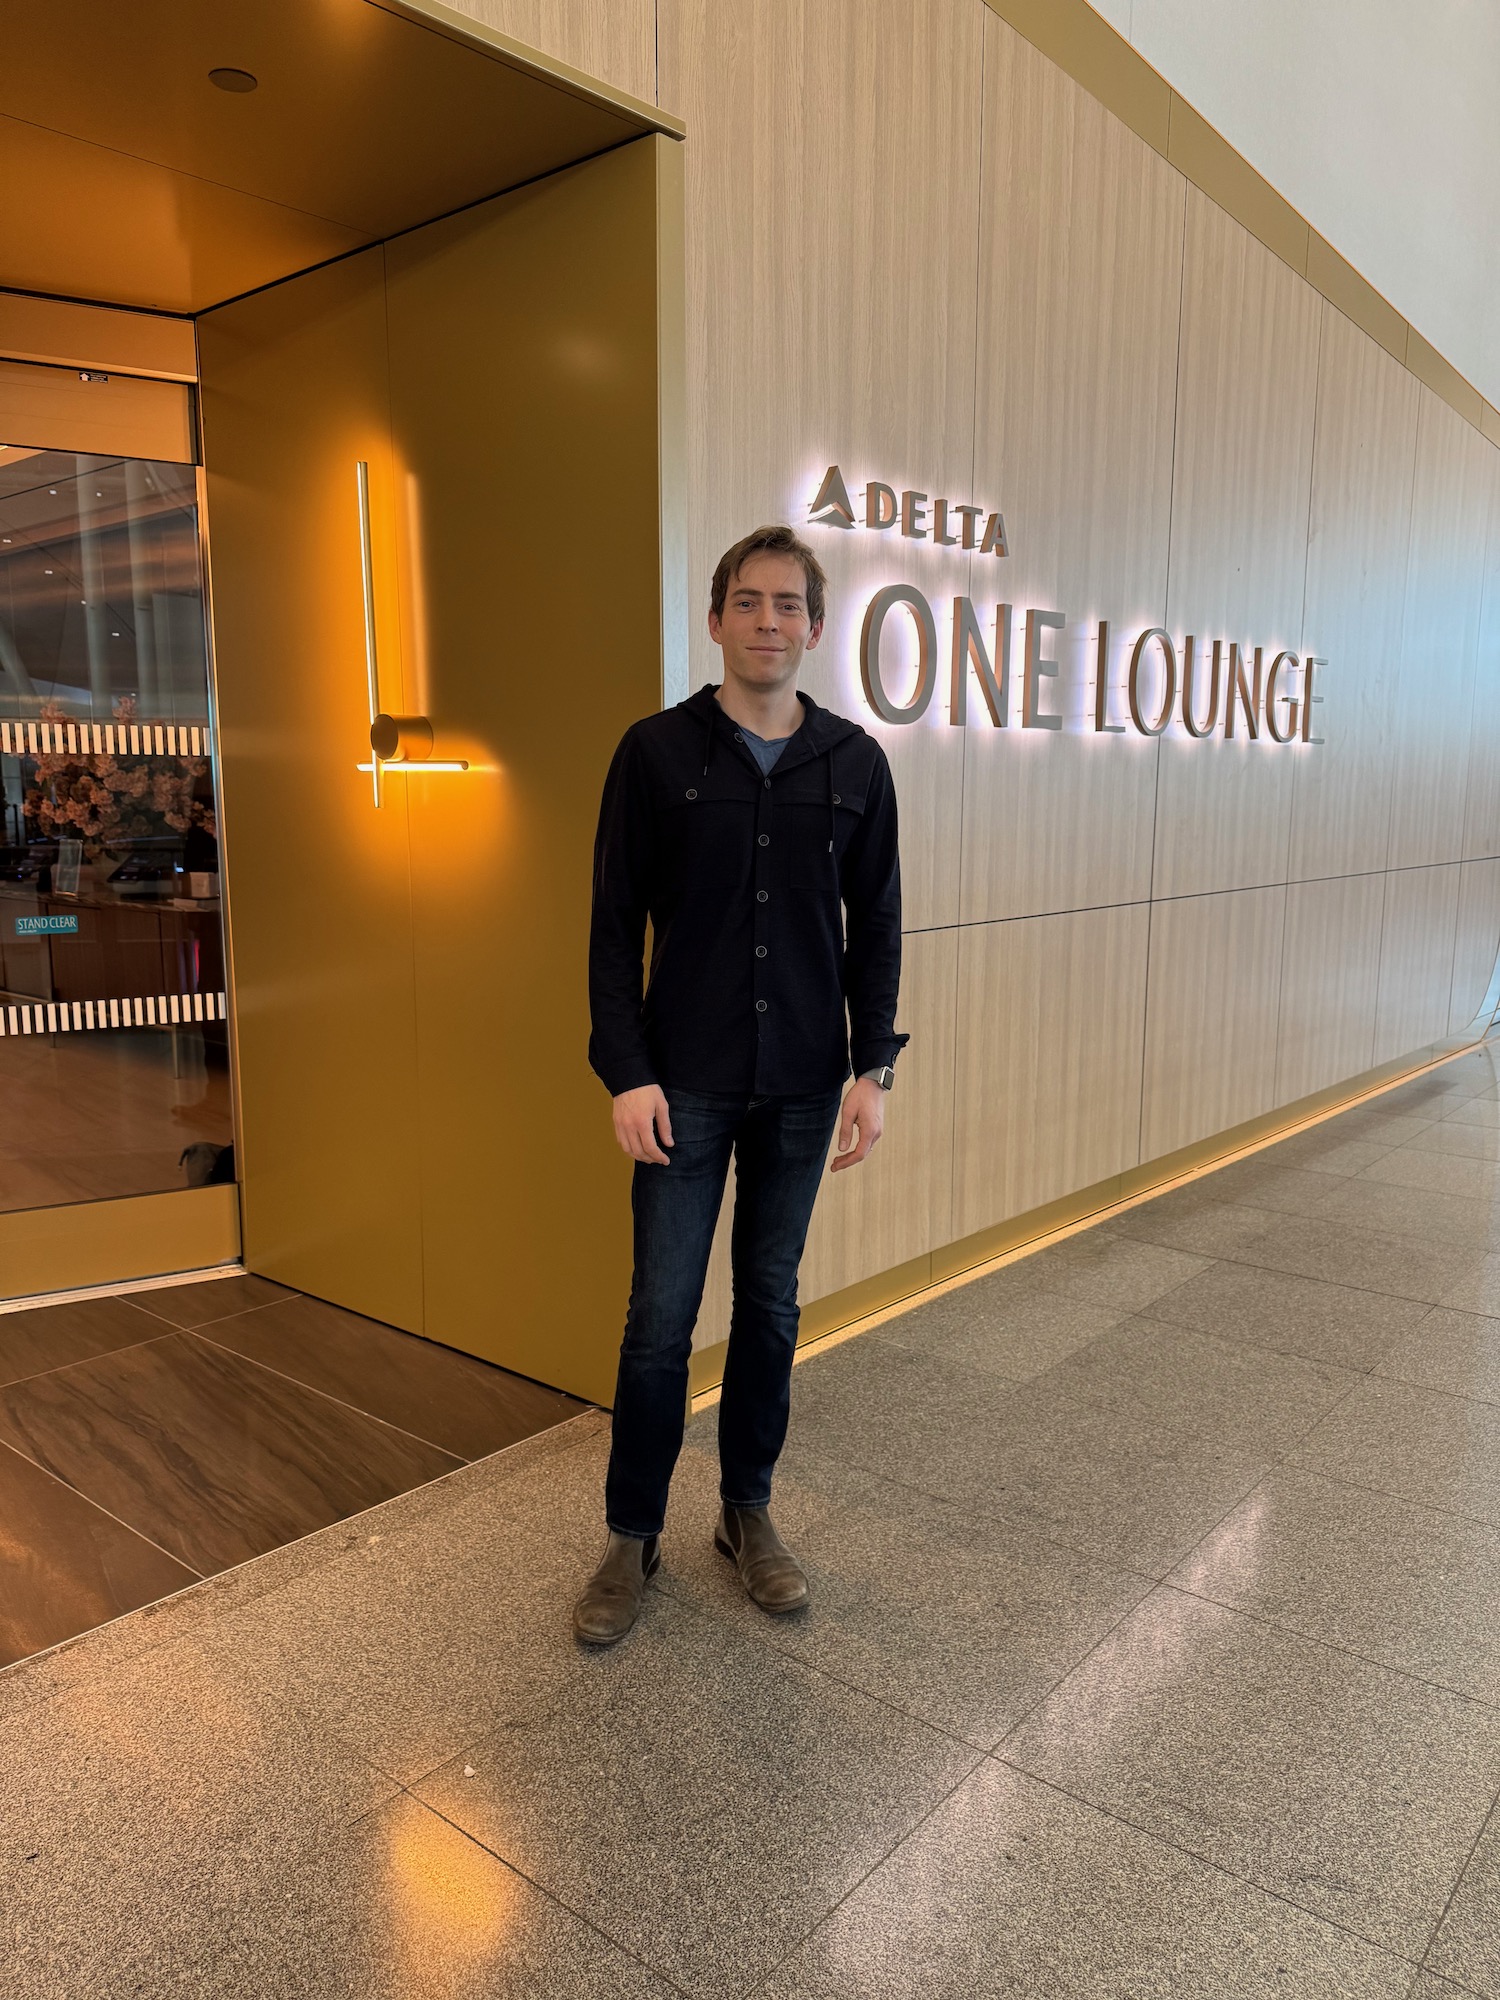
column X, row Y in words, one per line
column 771, row 713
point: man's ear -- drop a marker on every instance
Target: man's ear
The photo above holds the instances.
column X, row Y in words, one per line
column 814, row 635
column 715, row 628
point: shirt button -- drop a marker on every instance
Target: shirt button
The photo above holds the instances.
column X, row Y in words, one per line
column 761, row 896
column 763, row 840
column 760, row 1006
column 737, row 737
column 760, row 951
column 692, row 794
column 768, row 784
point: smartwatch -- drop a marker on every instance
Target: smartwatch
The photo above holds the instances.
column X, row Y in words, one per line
column 884, row 1076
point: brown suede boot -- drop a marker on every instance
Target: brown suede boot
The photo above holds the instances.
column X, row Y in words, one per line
column 771, row 1574
column 611, row 1599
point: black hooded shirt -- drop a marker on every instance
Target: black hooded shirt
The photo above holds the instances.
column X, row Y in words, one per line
column 774, row 904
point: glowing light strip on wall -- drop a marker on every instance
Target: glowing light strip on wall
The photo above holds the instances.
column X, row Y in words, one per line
column 105, row 739
column 152, row 1010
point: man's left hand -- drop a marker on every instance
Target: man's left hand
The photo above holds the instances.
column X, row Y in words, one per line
column 864, row 1113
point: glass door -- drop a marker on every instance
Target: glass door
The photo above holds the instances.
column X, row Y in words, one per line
column 114, row 1057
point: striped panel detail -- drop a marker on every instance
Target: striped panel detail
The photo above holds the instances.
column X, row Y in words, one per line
column 73, row 1017
column 105, row 739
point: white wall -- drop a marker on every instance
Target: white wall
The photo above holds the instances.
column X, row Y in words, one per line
column 1378, row 120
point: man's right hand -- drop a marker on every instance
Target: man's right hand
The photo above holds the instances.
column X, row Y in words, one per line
column 641, row 1119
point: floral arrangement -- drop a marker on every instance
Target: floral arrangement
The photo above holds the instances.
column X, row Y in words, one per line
column 111, row 801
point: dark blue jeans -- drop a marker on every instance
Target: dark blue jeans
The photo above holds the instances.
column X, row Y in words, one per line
column 779, row 1146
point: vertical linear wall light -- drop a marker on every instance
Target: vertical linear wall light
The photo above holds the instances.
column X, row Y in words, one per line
column 367, row 578
column 397, row 742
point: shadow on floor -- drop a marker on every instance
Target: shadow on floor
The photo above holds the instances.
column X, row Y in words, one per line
column 152, row 1439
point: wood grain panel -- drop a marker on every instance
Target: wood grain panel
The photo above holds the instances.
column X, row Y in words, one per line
column 899, row 1204
column 1416, row 959
column 1210, row 1015
column 1080, row 277
column 1434, row 697
column 1477, row 942
column 833, row 320
column 1246, row 395
column 1330, row 979
column 1482, row 805
column 613, row 40
column 1359, row 531
column 1049, row 1051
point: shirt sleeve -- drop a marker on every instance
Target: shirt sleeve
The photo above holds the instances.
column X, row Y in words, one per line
column 872, row 926
column 617, row 931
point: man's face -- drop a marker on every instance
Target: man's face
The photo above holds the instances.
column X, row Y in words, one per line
column 765, row 629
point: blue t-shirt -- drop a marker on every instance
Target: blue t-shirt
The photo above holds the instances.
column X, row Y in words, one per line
column 765, row 750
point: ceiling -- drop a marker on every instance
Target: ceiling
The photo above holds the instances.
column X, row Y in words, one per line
column 127, row 177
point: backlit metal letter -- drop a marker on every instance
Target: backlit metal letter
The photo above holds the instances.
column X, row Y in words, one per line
column 1102, row 725
column 1237, row 690
column 969, row 649
column 1169, row 681
column 940, row 526
column 970, row 518
column 1189, row 665
column 869, row 652
column 1038, row 623
column 832, row 508
column 1272, row 698
column 994, row 543
column 914, row 514
column 1309, row 699
column 880, row 505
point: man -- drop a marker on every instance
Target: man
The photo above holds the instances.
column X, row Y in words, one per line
column 757, row 833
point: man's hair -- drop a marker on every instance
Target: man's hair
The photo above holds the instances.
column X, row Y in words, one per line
column 770, row 541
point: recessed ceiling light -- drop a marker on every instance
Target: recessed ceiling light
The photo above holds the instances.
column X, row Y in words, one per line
column 238, row 80
column 53, row 491
column 46, row 572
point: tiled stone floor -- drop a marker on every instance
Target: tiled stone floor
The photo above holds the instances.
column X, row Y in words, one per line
column 1155, row 1651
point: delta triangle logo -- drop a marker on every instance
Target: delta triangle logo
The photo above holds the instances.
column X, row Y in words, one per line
column 831, row 508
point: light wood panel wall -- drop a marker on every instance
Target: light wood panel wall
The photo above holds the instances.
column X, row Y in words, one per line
column 919, row 249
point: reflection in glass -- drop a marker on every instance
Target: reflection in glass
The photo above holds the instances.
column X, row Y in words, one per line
column 113, row 1043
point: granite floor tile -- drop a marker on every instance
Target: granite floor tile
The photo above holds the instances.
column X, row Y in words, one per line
column 461, row 1404
column 1324, row 1149
column 1332, row 1324
column 45, row 1337
column 1456, row 1352
column 1011, row 1889
column 1437, row 1173
column 708, row 1806
column 1477, row 1290
column 1423, row 1213
column 64, row 1564
column 208, row 1455
column 1481, row 1111
column 1017, row 1334
column 961, row 1620
column 1410, row 1587
column 1228, row 1390
column 1189, row 1219
column 118, row 1803
column 187, row 1306
column 1287, row 1763
column 1441, row 1451
column 1344, row 1253
column 1135, row 1494
column 1429, row 1986
column 412, row 1644
column 1467, row 1948
column 1111, row 1269
column 1263, row 1183
column 1379, row 1125
column 399, row 1904
column 1470, row 1142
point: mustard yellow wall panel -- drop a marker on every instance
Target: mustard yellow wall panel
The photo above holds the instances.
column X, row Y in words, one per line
column 111, row 1242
